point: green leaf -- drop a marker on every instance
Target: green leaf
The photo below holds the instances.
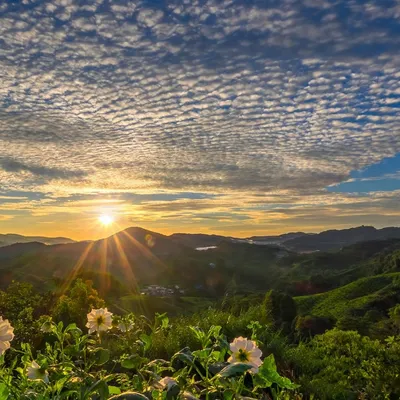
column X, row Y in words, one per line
column 215, row 368
column 114, row 390
column 101, row 356
column 129, row 396
column 99, row 387
column 202, row 354
column 229, row 394
column 268, row 375
column 184, row 355
column 146, row 339
column 131, row 362
column 163, row 320
column 173, row 391
column 4, row 392
column 235, row 369
column 73, row 327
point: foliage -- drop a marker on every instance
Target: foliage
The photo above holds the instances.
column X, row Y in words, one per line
column 309, row 325
column 280, row 310
column 73, row 365
column 362, row 305
column 77, row 302
column 346, row 365
column 22, row 305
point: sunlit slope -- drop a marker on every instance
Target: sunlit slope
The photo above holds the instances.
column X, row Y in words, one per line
column 378, row 292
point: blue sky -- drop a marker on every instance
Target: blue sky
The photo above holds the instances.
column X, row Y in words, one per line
column 228, row 116
column 382, row 176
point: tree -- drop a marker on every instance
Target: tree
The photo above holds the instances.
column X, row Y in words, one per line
column 280, row 310
column 22, row 305
column 77, row 302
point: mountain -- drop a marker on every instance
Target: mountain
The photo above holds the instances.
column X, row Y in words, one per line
column 136, row 257
column 16, row 249
column 296, row 241
column 131, row 256
column 10, row 238
column 336, row 239
column 199, row 239
column 277, row 239
column 196, row 240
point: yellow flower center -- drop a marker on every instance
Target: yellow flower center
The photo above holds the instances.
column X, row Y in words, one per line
column 100, row 320
column 243, row 355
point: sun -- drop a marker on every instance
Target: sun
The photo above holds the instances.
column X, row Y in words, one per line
column 106, row 219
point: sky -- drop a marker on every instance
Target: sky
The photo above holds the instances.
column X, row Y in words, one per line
column 229, row 117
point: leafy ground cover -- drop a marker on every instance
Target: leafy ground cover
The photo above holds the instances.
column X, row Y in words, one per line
column 112, row 361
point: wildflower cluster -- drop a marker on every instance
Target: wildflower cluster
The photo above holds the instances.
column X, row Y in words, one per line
column 74, row 365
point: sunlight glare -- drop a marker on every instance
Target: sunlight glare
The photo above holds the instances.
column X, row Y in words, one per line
column 106, row 219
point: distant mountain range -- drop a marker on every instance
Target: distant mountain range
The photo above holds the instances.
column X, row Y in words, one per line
column 294, row 241
column 336, row 239
column 10, row 238
column 136, row 257
column 298, row 241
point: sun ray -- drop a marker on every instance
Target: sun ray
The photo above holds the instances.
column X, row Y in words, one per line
column 144, row 250
column 76, row 268
column 105, row 282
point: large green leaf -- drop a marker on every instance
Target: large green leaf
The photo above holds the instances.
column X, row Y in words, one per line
column 184, row 355
column 101, row 356
column 268, row 375
column 235, row 369
column 3, row 391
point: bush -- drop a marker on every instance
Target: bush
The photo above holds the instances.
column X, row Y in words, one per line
column 344, row 364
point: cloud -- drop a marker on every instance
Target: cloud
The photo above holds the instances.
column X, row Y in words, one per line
column 14, row 166
column 223, row 98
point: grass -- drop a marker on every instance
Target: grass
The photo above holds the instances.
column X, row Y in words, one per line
column 149, row 305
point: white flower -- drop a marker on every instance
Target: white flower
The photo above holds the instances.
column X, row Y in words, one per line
column 245, row 351
column 6, row 335
column 125, row 326
column 99, row 320
column 167, row 382
column 35, row 372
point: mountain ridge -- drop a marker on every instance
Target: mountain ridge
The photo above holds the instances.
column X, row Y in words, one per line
column 7, row 239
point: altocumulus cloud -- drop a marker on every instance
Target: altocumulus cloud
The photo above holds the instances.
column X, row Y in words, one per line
column 227, row 96
column 14, row 166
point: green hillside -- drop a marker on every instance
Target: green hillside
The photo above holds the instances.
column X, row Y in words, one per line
column 378, row 293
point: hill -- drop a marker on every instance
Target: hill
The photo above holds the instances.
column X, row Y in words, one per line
column 297, row 241
column 362, row 305
column 10, row 238
column 278, row 239
column 198, row 239
column 130, row 255
column 136, row 257
column 336, row 239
